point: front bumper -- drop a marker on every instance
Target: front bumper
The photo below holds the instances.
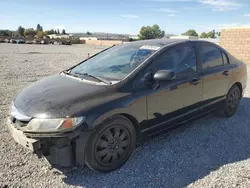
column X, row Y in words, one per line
column 30, row 143
column 58, row 150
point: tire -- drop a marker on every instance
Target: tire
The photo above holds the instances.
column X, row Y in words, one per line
column 110, row 144
column 232, row 101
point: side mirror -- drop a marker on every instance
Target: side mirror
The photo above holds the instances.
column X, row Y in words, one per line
column 164, row 75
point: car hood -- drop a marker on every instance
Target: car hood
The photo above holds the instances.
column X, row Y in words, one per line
column 61, row 96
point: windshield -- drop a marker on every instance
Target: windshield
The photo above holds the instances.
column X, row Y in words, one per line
column 115, row 63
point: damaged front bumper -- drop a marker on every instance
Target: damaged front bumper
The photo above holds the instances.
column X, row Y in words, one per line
column 59, row 149
column 30, row 143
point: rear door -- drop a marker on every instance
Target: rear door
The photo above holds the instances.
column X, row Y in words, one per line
column 215, row 72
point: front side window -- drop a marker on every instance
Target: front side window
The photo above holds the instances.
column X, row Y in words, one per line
column 210, row 56
column 179, row 59
column 115, row 63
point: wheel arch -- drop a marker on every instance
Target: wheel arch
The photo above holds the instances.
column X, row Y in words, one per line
column 135, row 124
column 239, row 85
column 121, row 112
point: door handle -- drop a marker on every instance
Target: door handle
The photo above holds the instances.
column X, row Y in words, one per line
column 226, row 72
column 195, row 81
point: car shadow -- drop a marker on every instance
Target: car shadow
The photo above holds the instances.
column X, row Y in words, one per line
column 179, row 157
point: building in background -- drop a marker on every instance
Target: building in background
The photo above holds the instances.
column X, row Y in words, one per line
column 58, row 36
column 101, row 36
column 135, row 37
column 237, row 41
column 88, row 38
column 183, row 37
column 216, row 40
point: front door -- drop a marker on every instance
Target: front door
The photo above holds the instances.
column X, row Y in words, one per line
column 170, row 99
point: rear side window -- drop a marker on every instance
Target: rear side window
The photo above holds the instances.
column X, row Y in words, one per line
column 210, row 56
column 225, row 58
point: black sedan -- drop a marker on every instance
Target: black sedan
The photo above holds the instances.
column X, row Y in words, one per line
column 95, row 112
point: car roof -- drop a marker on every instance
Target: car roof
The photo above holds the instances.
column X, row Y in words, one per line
column 157, row 42
column 163, row 42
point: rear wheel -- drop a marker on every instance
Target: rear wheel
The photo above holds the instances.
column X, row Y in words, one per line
column 110, row 145
column 232, row 101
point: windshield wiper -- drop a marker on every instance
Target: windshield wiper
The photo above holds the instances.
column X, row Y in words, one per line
column 96, row 77
column 66, row 72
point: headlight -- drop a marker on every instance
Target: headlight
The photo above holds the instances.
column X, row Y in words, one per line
column 53, row 125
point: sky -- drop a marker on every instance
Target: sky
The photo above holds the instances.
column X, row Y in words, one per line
column 125, row 16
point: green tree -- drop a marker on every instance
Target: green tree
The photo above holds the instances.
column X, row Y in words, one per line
column 20, row 31
column 130, row 39
column 218, row 34
column 211, row 34
column 88, row 33
column 29, row 32
column 6, row 33
column 190, row 32
column 58, row 32
column 63, row 32
column 49, row 32
column 39, row 28
column 203, row 35
column 148, row 32
column 40, row 34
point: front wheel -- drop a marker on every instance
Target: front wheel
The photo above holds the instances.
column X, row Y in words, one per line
column 110, row 145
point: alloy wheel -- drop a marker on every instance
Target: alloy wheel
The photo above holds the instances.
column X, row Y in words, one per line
column 112, row 145
column 233, row 100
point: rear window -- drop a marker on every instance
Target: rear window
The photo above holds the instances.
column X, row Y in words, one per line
column 210, row 56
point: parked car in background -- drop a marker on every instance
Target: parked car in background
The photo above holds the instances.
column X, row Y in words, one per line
column 28, row 42
column 20, row 41
column 95, row 112
column 35, row 41
column 6, row 40
column 44, row 42
column 66, row 42
column 12, row 41
column 51, row 41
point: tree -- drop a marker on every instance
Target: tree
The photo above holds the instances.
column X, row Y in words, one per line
column 14, row 34
column 190, row 32
column 20, row 31
column 6, row 33
column 29, row 32
column 58, row 32
column 88, row 33
column 211, row 34
column 130, row 39
column 218, row 34
column 49, row 32
column 63, row 32
column 40, row 34
column 153, row 32
column 203, row 35
column 39, row 28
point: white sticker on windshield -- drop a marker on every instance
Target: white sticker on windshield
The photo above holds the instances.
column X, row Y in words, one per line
column 146, row 47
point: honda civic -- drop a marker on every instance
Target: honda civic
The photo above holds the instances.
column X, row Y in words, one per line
column 95, row 112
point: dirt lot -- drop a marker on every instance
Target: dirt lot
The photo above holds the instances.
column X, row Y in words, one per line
column 212, row 152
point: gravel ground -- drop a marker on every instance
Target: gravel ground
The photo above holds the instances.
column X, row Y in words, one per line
column 211, row 152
